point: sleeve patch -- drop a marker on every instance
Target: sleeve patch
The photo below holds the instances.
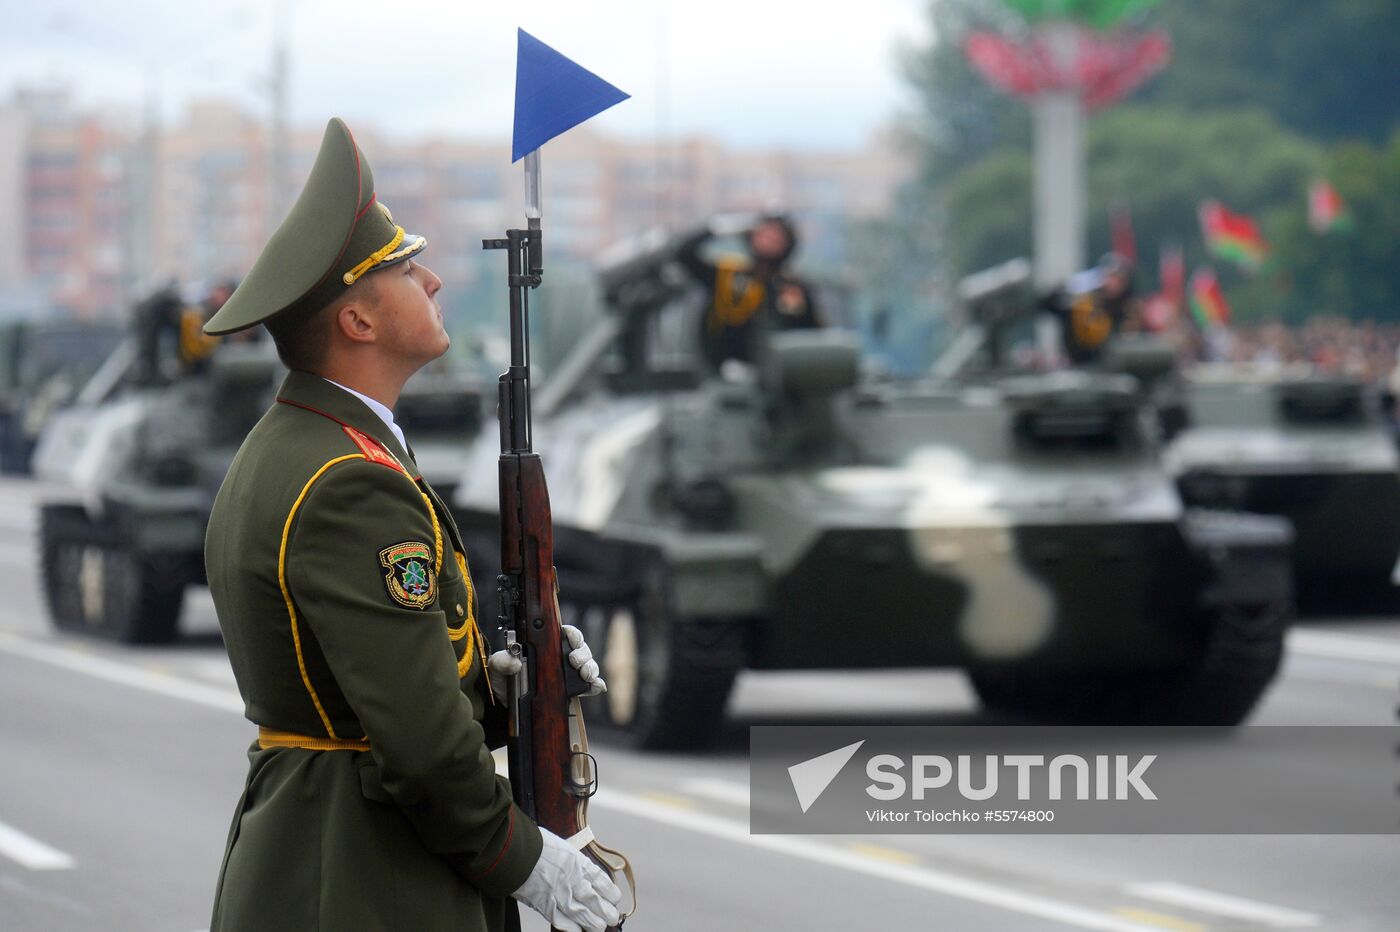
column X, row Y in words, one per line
column 409, row 575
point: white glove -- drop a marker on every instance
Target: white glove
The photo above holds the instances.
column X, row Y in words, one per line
column 569, row 890
column 504, row 663
column 580, row 658
column 733, row 224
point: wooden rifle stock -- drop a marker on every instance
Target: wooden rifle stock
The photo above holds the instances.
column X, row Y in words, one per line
column 540, row 733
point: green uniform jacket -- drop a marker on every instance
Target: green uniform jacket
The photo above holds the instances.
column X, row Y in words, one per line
column 350, row 623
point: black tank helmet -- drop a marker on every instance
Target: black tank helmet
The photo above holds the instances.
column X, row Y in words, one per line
column 786, row 223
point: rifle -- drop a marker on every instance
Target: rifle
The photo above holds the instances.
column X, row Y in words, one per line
column 552, row 773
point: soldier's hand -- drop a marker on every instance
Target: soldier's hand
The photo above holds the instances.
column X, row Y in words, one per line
column 569, row 890
column 581, row 659
column 733, row 224
column 504, row 663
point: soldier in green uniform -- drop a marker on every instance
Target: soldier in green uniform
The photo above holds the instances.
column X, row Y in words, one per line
column 372, row 800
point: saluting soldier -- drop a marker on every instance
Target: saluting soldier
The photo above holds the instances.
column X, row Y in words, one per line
column 372, row 800
column 748, row 295
column 1090, row 315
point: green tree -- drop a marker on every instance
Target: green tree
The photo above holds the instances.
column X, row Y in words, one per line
column 959, row 118
column 1250, row 84
column 1325, row 68
column 1161, row 163
column 1355, row 271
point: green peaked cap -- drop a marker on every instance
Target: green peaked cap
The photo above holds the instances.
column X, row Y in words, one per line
column 336, row 233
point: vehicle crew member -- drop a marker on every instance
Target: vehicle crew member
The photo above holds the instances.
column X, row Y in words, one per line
column 372, row 800
column 748, row 296
column 196, row 346
column 1096, row 305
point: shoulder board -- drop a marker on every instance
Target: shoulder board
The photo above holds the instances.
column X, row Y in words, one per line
column 373, row 450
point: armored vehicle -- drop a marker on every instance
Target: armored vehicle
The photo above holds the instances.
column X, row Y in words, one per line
column 43, row 364
column 132, row 469
column 800, row 516
column 1309, row 447
column 134, row 466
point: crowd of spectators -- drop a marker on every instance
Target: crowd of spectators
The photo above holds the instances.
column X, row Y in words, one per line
column 1365, row 349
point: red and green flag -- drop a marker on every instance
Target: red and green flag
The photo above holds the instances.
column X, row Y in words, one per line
column 1121, row 226
column 1208, row 303
column 1327, row 212
column 1231, row 236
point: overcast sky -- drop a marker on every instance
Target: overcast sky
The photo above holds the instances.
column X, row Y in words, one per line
column 753, row 72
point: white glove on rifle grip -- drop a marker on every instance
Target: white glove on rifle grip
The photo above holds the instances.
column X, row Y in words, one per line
column 580, row 658
column 569, row 890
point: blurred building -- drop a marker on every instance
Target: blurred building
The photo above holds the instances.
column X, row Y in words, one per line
column 109, row 208
column 63, row 201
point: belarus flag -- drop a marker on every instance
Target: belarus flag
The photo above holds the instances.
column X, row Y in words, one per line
column 1232, row 236
column 1326, row 209
column 1208, row 303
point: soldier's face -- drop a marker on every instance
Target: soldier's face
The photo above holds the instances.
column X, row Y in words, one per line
column 408, row 292
column 769, row 240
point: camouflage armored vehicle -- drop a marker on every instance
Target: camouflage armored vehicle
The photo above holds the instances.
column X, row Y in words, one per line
column 43, row 364
column 135, row 465
column 1311, row 448
column 798, row 516
column 132, row 469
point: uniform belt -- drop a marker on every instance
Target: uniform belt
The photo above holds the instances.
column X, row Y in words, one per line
column 271, row 738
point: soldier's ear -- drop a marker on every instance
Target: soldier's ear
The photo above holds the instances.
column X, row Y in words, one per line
column 354, row 323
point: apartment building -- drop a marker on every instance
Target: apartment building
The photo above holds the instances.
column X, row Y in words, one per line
column 106, row 206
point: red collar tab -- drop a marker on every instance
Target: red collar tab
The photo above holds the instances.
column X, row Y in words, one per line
column 373, row 450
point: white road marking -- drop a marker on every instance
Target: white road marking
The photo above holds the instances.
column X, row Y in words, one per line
column 217, row 671
column 16, row 554
column 25, row 521
column 1221, row 904
column 160, row 683
column 1343, row 646
column 30, row 852
column 845, row 859
column 724, row 791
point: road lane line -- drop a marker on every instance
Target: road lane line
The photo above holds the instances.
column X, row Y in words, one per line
column 1222, row 904
column 1343, row 646
column 922, row 877
column 1160, row 920
column 669, row 800
column 31, row 852
column 17, row 555
column 721, row 791
column 881, row 853
column 160, row 683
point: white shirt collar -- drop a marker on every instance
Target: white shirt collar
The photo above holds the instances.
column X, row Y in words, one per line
column 378, row 408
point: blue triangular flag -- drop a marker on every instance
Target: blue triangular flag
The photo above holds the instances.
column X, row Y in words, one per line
column 552, row 95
